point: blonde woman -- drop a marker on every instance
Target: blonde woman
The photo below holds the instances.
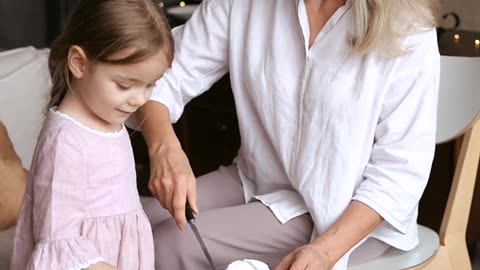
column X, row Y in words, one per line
column 336, row 103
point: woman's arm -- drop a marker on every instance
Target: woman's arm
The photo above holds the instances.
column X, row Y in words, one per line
column 201, row 58
column 171, row 178
column 355, row 224
column 358, row 221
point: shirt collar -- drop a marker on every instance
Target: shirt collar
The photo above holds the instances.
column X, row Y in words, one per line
column 303, row 19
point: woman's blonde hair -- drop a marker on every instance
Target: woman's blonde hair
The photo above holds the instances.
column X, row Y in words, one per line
column 104, row 27
column 380, row 25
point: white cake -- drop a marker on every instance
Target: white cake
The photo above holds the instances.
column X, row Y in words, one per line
column 247, row 265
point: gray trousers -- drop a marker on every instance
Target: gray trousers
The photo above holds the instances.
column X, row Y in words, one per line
column 231, row 229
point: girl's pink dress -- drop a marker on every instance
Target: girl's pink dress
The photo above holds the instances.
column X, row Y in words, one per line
column 81, row 205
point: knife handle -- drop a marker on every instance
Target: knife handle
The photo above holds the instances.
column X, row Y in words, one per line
column 188, row 212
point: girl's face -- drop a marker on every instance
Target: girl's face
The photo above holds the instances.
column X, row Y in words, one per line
column 110, row 93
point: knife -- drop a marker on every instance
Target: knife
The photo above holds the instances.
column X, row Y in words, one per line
column 191, row 221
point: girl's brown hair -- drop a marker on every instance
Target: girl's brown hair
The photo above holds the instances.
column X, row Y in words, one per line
column 104, row 27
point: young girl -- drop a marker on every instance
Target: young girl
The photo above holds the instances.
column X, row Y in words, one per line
column 81, row 209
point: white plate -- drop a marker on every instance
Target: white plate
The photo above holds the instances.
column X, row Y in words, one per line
column 182, row 12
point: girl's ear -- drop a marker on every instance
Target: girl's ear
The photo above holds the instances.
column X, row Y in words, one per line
column 77, row 61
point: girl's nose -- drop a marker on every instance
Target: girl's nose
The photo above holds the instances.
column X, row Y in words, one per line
column 138, row 98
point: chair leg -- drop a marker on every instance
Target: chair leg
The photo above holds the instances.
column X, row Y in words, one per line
column 458, row 254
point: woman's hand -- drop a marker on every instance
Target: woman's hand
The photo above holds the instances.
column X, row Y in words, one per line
column 102, row 266
column 307, row 257
column 172, row 181
column 355, row 224
column 171, row 178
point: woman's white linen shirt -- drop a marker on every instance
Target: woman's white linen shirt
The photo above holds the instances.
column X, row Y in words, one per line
column 320, row 126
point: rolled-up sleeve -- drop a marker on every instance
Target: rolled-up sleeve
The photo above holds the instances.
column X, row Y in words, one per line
column 200, row 59
column 400, row 162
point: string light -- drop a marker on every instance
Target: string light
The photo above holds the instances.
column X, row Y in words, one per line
column 456, row 36
column 477, row 42
column 161, row 4
column 182, row 4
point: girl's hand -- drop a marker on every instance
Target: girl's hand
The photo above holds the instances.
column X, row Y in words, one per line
column 172, row 181
column 102, row 266
column 307, row 257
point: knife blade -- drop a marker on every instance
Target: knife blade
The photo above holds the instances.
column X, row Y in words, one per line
column 193, row 226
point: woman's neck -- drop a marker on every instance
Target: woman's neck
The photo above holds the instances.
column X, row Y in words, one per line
column 319, row 12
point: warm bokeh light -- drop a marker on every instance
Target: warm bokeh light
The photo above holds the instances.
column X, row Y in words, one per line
column 182, row 4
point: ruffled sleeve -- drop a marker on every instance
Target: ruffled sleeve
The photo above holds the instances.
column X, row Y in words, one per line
column 49, row 233
column 74, row 253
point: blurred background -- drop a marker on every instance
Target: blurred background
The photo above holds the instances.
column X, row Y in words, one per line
column 36, row 23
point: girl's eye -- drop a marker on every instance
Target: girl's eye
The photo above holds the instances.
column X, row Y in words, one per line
column 123, row 87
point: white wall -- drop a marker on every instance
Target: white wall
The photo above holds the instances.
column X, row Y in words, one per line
column 468, row 10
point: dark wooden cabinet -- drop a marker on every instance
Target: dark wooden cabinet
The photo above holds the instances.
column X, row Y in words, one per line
column 208, row 129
